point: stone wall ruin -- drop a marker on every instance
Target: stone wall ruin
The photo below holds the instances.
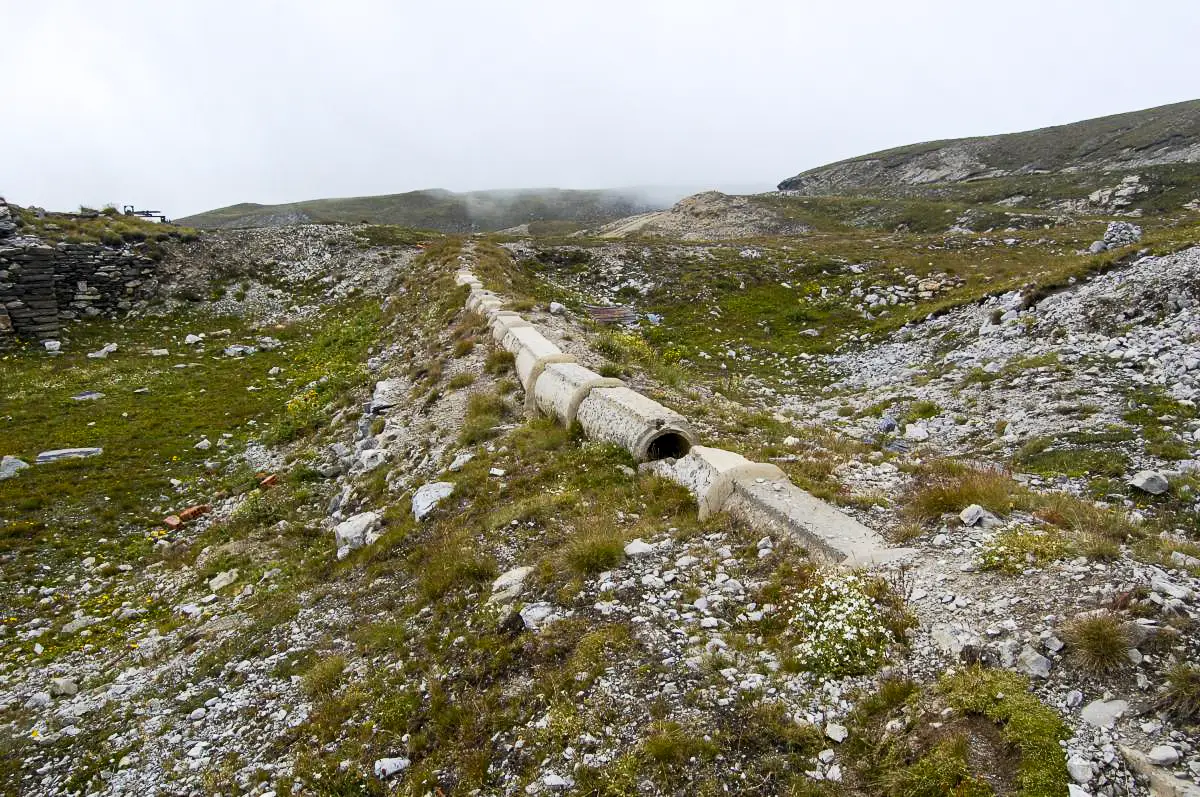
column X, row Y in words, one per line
column 42, row 285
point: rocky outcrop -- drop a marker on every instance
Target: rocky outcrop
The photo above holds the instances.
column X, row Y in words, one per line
column 1157, row 136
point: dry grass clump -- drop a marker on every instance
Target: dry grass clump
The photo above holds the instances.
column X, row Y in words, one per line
column 946, row 486
column 1182, row 697
column 1074, row 514
column 1099, row 643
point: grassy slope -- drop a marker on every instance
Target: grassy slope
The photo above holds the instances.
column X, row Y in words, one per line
column 1054, row 148
column 437, row 210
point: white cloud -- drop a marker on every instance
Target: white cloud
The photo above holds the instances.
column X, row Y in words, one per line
column 187, row 106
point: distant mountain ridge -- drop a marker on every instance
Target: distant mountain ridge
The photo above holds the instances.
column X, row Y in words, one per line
column 437, row 209
column 1168, row 134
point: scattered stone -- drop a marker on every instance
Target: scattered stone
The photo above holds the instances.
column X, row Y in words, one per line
column 1032, row 663
column 203, row 445
column 60, row 687
column 837, row 733
column 386, row 767
column 1150, row 481
column 638, row 547
column 1163, row 755
column 975, row 515
column 1103, row 713
column 355, row 532
column 509, row 585
column 388, row 393
column 1080, row 769
column 916, row 432
column 536, row 615
column 222, row 580
column 103, row 352
column 88, row 395
column 555, row 782
column 52, row 346
column 10, row 466
column 67, row 453
column 428, row 496
column 557, row 308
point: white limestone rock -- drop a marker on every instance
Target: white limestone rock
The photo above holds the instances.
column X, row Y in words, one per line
column 428, row 496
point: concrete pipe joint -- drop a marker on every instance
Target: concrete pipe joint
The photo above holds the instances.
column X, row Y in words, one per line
column 642, row 426
column 562, row 387
column 505, row 320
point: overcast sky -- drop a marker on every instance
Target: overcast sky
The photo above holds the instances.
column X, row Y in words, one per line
column 185, row 106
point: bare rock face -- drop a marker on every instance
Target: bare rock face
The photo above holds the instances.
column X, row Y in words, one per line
column 8, row 226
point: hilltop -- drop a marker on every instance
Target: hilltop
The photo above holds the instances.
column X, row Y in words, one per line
column 1139, row 140
column 436, row 209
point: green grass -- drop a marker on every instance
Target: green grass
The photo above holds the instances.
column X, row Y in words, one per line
column 944, row 487
column 1043, row 456
column 1033, row 729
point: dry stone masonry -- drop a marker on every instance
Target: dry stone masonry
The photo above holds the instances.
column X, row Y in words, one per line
column 665, row 442
column 42, row 285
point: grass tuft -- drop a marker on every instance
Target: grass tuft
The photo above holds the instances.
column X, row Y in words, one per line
column 1182, row 696
column 1099, row 643
column 947, row 486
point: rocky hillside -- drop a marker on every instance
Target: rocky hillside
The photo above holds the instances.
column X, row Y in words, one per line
column 444, row 211
column 351, row 509
column 1126, row 142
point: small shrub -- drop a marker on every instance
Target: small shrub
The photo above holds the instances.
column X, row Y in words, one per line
column 921, row 410
column 943, row 770
column 668, row 743
column 1031, row 727
column 499, row 361
column 484, row 411
column 325, row 676
column 836, row 628
column 948, row 486
column 464, row 379
column 612, row 371
column 1013, row 550
column 1182, row 697
column 1099, row 643
column 595, row 552
column 464, row 347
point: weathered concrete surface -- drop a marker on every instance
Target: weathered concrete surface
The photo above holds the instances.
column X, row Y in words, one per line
column 709, row 473
column 503, row 321
column 829, row 534
column 481, row 301
column 645, row 428
column 562, row 387
column 532, row 353
column 467, row 278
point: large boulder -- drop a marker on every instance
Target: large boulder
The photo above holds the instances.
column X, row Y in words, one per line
column 11, row 466
column 429, row 496
column 355, row 532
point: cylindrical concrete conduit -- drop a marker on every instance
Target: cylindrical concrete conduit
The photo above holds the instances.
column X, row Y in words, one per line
column 645, row 428
column 561, row 388
column 759, row 493
column 504, row 320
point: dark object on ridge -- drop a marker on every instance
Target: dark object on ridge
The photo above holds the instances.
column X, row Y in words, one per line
column 611, row 314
